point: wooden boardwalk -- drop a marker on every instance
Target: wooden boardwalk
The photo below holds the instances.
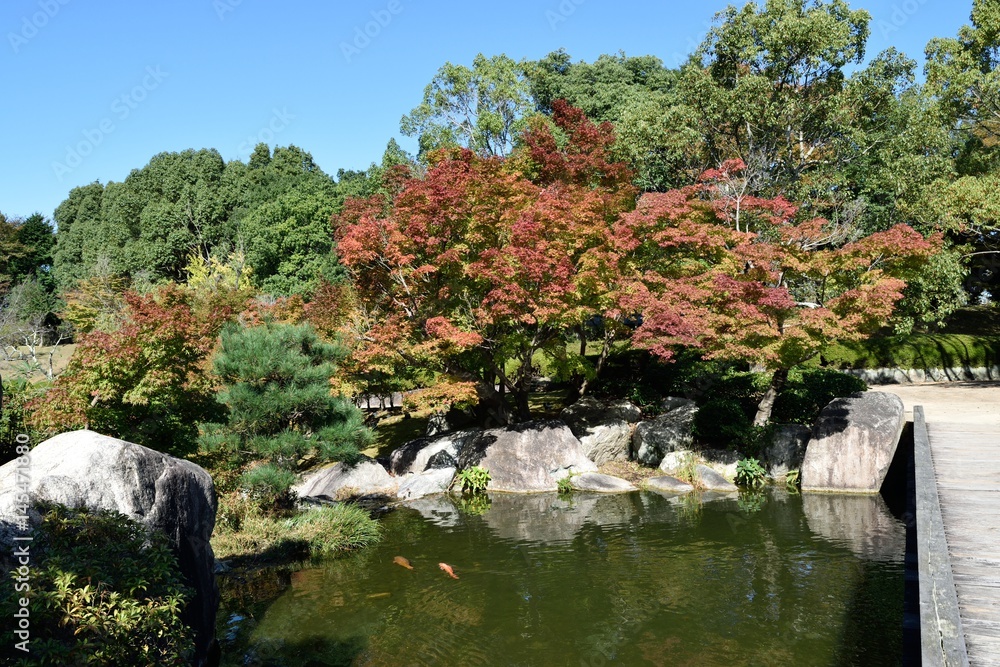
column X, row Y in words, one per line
column 966, row 463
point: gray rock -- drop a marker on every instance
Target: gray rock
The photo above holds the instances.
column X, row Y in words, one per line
column 603, row 430
column 668, row 432
column 163, row 493
column 415, row 456
column 340, row 481
column 722, row 461
column 673, row 462
column 668, row 484
column 710, row 480
column 853, row 443
column 442, row 459
column 595, row 481
column 787, row 449
column 437, row 424
column 527, row 457
column 427, row 483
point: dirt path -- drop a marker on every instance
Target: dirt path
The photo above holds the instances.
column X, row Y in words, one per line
column 951, row 402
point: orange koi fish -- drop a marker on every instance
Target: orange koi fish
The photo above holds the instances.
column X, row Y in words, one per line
column 447, row 568
column 399, row 560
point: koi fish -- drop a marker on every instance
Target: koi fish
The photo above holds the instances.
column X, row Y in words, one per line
column 447, row 568
column 399, row 560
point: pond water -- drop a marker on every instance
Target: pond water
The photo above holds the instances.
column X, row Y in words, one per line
column 633, row 579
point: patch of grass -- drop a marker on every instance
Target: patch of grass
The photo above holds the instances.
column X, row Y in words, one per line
column 922, row 350
column 246, row 534
column 60, row 359
column 630, row 471
column 394, row 431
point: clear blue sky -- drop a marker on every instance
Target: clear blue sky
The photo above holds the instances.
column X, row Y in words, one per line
column 127, row 80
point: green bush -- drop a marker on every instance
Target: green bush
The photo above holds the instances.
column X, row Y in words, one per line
column 474, row 479
column 103, row 592
column 12, row 417
column 809, row 390
column 750, row 473
column 268, row 485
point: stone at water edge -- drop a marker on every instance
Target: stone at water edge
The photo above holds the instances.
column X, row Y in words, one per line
column 427, row 483
column 163, row 493
column 668, row 484
column 340, row 480
column 710, row 480
column 415, row 455
column 853, row 443
column 786, row 450
column 600, row 483
column 666, row 433
column 527, row 457
column 604, row 430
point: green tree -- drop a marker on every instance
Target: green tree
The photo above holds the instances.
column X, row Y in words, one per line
column 482, row 108
column 282, row 414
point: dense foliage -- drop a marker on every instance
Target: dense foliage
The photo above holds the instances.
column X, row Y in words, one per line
column 280, row 413
column 104, row 592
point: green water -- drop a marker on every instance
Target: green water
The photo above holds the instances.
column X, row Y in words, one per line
column 635, row 579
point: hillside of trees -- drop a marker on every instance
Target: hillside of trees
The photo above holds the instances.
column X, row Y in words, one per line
column 782, row 191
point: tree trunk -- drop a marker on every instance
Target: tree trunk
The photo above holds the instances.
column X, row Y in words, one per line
column 522, row 409
column 767, row 403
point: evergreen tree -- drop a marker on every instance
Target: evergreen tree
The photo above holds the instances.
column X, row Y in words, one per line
column 282, row 414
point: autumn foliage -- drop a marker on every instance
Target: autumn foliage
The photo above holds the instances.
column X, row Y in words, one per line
column 483, row 263
column 473, row 269
column 144, row 381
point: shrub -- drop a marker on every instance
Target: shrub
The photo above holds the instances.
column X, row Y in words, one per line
column 474, row 479
column 16, row 393
column 809, row 390
column 750, row 473
column 244, row 530
column 103, row 592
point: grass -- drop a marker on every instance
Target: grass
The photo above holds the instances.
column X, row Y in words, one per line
column 60, row 359
column 922, row 350
column 630, row 471
column 247, row 536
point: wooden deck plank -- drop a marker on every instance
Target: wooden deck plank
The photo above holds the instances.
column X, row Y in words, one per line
column 966, row 461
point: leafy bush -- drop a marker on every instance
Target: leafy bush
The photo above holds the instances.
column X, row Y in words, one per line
column 103, row 592
column 750, row 473
column 16, row 393
column 474, row 479
column 268, row 484
column 809, row 390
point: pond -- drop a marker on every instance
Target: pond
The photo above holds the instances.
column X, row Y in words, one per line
column 633, row 579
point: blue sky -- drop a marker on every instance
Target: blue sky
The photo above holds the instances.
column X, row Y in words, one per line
column 95, row 89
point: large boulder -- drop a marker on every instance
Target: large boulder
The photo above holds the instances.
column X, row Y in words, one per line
column 163, row 493
column 427, row 483
column 340, row 481
column 604, row 430
column 527, row 457
column 853, row 443
column 787, row 449
column 668, row 432
column 415, row 455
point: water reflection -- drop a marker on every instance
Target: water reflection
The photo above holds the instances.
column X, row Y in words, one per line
column 591, row 579
column 862, row 523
